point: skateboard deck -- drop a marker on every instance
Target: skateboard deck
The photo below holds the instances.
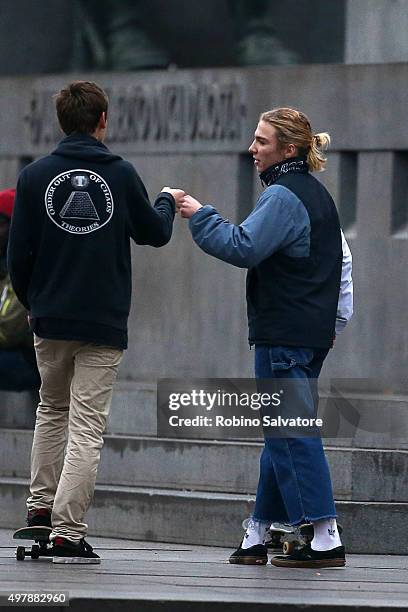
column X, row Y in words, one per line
column 38, row 534
column 41, row 537
column 43, row 547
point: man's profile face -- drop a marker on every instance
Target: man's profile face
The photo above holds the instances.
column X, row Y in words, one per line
column 265, row 148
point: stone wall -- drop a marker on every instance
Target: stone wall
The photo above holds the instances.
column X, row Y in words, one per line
column 376, row 31
column 192, row 129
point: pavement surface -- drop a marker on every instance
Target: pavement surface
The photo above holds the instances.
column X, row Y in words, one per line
column 147, row 576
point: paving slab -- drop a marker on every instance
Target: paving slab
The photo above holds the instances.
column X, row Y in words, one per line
column 151, row 576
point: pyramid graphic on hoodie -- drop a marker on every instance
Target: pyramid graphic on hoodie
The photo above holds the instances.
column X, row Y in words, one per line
column 79, row 206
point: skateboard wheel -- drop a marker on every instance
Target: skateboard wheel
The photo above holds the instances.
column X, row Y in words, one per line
column 20, row 553
column 35, row 551
column 288, row 548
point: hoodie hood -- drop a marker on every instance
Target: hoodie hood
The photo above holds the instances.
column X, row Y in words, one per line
column 86, row 147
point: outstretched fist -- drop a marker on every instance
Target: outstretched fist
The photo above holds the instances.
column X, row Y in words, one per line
column 189, row 206
column 178, row 195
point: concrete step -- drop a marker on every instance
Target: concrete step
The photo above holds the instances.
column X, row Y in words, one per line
column 17, row 410
column 133, row 409
column 366, row 420
column 358, row 474
column 357, row 420
column 207, row 518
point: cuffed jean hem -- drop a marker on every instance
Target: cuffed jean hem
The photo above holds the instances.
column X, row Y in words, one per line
column 308, row 519
column 284, row 521
column 263, row 521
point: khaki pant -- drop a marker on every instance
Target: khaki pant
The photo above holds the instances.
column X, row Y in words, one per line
column 75, row 396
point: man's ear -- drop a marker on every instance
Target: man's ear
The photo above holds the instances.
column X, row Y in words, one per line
column 291, row 151
column 102, row 121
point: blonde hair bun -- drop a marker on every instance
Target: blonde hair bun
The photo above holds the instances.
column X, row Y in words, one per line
column 293, row 127
column 322, row 140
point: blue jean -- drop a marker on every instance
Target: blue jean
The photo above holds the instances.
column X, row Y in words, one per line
column 294, row 482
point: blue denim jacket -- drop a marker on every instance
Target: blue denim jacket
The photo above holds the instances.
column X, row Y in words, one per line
column 279, row 222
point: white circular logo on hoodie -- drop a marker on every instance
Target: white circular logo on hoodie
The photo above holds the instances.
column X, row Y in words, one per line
column 79, row 201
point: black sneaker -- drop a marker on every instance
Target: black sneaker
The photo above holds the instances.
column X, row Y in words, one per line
column 39, row 517
column 255, row 555
column 307, row 557
column 66, row 551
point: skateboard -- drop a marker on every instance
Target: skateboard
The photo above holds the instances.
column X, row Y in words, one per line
column 41, row 547
column 275, row 536
column 287, row 537
column 294, row 536
column 291, row 537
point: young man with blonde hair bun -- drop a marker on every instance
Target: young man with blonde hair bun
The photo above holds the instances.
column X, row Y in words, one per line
column 299, row 295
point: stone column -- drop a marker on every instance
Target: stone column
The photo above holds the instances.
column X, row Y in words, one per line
column 376, row 31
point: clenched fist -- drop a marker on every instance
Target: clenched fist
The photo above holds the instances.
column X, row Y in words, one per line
column 189, row 206
column 178, row 195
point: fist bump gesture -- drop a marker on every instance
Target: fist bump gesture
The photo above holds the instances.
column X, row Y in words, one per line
column 189, row 206
column 178, row 195
column 186, row 205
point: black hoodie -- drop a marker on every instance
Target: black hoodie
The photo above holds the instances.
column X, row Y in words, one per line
column 69, row 246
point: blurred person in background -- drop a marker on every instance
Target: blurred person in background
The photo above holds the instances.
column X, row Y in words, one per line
column 18, row 368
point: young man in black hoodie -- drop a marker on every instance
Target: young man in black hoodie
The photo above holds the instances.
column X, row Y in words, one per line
column 70, row 265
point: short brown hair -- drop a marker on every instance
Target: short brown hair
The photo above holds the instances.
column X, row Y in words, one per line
column 293, row 127
column 80, row 106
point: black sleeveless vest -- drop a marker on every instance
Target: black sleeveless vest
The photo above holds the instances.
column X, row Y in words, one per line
column 293, row 301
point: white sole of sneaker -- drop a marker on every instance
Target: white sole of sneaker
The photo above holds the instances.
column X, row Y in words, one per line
column 76, row 560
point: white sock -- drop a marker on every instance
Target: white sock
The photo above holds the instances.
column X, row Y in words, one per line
column 255, row 534
column 326, row 535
